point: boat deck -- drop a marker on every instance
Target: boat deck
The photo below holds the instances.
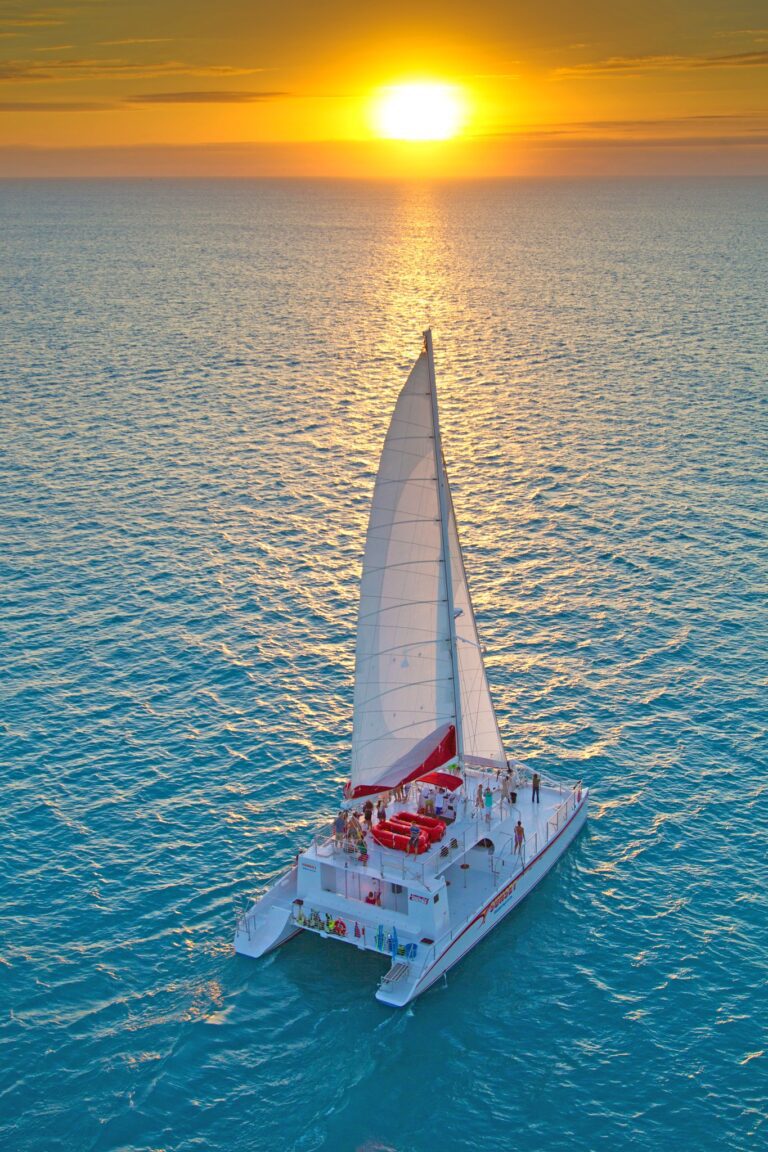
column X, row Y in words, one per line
column 540, row 822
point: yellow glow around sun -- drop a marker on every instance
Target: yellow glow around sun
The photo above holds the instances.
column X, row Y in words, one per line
column 423, row 111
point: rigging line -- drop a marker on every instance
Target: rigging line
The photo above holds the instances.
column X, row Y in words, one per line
column 444, row 499
column 401, row 564
column 402, row 648
column 402, row 524
column 446, row 724
column 369, row 700
column 390, row 440
column 410, row 480
column 394, row 607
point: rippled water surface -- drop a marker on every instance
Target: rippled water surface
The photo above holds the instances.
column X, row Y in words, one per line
column 196, row 381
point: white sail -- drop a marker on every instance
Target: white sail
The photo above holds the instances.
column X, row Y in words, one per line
column 416, row 631
column 404, row 699
column 481, row 740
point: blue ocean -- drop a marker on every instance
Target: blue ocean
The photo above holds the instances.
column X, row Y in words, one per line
column 196, row 381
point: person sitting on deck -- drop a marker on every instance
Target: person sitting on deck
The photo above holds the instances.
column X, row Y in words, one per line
column 413, row 838
column 370, row 898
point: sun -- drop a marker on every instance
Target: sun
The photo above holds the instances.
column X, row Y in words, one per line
column 423, row 111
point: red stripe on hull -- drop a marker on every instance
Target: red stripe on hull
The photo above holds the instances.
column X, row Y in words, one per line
column 484, row 911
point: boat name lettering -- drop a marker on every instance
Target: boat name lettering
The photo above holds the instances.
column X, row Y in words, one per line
column 309, row 867
column 421, row 899
column 502, row 897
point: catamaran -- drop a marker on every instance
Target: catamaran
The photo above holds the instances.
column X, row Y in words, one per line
column 460, row 833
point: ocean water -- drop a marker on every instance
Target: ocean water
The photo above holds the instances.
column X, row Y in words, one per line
column 196, row 381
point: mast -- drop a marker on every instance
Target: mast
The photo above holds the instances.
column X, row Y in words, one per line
column 444, row 497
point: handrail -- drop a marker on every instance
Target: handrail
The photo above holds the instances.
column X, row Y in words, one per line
column 572, row 801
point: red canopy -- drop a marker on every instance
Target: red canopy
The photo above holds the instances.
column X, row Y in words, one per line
column 442, row 780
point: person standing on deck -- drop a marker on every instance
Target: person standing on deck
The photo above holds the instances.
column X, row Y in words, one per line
column 479, row 799
column 439, row 801
column 504, row 792
column 488, row 804
column 519, row 838
column 368, row 814
column 535, row 784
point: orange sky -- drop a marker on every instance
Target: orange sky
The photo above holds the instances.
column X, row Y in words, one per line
column 241, row 88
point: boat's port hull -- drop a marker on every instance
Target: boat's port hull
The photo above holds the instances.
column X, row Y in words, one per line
column 503, row 902
column 269, row 923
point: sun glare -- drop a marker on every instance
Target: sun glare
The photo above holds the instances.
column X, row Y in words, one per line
column 425, row 111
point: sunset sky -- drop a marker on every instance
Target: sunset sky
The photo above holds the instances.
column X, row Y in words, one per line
column 246, row 87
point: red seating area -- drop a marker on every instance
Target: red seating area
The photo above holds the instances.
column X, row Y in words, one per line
column 432, row 825
column 396, row 834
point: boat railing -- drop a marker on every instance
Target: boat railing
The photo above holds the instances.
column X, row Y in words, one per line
column 519, row 856
column 564, row 811
column 426, row 867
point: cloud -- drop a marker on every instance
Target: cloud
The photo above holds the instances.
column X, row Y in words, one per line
column 30, row 22
column 627, row 65
column 759, row 35
column 134, row 40
column 111, row 69
column 54, row 106
column 741, row 127
column 206, row 97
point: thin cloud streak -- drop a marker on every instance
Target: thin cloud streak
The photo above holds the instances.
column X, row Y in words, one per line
column 205, row 97
column 55, row 106
column 106, row 69
column 624, row 65
column 134, row 40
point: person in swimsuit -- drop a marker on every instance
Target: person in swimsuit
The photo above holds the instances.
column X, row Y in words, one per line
column 519, row 838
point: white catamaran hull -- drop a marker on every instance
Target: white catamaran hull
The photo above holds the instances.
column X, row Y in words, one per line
column 505, row 901
column 281, row 913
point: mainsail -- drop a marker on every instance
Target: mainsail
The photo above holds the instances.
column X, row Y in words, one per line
column 421, row 693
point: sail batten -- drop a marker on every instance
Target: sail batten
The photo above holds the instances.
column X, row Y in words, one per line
column 417, row 696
